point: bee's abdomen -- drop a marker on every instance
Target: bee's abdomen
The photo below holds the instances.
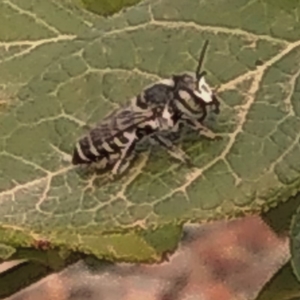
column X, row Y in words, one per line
column 92, row 149
column 77, row 159
column 85, row 152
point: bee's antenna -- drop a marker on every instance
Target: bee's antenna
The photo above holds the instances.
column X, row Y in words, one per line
column 201, row 58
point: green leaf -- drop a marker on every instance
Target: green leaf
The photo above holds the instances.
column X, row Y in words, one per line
column 64, row 67
column 283, row 286
column 106, row 7
column 280, row 217
column 6, row 251
column 20, row 277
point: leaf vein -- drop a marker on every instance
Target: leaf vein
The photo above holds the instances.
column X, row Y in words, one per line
column 192, row 25
column 32, row 16
column 34, row 45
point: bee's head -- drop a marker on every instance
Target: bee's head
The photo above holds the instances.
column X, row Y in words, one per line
column 194, row 90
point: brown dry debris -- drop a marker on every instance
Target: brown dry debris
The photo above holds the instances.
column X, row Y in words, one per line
column 222, row 260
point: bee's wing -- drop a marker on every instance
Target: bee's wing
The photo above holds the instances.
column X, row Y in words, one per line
column 123, row 120
column 129, row 118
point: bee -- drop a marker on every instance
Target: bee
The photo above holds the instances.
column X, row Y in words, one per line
column 161, row 108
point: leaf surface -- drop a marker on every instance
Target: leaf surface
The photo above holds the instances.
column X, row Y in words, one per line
column 67, row 68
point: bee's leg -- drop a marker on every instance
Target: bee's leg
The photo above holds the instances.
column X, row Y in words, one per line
column 172, row 149
column 124, row 161
column 208, row 133
column 203, row 130
column 100, row 164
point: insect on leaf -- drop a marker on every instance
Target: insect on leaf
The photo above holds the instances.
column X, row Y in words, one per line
column 69, row 68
